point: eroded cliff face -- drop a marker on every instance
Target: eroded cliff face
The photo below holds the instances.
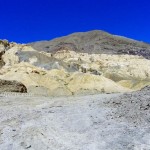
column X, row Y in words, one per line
column 81, row 63
column 2, row 51
column 2, row 63
column 4, row 46
column 67, row 72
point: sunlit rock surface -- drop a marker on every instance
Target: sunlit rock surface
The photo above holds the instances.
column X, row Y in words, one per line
column 67, row 71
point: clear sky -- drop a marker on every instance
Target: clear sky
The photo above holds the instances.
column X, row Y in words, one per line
column 33, row 20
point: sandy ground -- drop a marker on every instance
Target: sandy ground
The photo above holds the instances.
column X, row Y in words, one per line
column 67, row 123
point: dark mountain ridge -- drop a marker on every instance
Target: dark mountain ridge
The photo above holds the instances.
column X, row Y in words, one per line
column 98, row 42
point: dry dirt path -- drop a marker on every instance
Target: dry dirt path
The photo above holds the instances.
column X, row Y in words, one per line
column 66, row 123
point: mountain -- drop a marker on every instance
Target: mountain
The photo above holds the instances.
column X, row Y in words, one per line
column 95, row 42
column 79, row 64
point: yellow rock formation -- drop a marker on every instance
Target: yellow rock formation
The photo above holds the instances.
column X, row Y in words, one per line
column 84, row 74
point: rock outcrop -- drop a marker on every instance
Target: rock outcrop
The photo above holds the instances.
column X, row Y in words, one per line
column 2, row 51
column 65, row 70
column 12, row 86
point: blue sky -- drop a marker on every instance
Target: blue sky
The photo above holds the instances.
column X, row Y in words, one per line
column 33, row 20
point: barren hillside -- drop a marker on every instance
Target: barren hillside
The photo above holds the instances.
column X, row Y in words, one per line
column 78, row 64
column 95, row 42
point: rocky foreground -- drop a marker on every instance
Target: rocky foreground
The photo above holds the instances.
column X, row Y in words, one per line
column 98, row 122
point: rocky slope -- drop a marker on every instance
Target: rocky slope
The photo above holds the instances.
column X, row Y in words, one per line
column 71, row 66
column 133, row 107
column 95, row 42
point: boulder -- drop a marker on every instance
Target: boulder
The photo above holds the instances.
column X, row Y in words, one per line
column 12, row 86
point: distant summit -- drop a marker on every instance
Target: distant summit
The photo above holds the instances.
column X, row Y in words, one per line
column 95, row 42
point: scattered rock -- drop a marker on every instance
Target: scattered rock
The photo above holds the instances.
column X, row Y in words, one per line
column 133, row 107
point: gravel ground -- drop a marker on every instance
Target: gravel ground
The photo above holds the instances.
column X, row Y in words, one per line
column 69, row 123
column 132, row 107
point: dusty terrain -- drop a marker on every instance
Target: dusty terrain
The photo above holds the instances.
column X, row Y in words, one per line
column 75, row 123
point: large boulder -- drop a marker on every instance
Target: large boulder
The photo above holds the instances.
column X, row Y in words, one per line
column 12, row 86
